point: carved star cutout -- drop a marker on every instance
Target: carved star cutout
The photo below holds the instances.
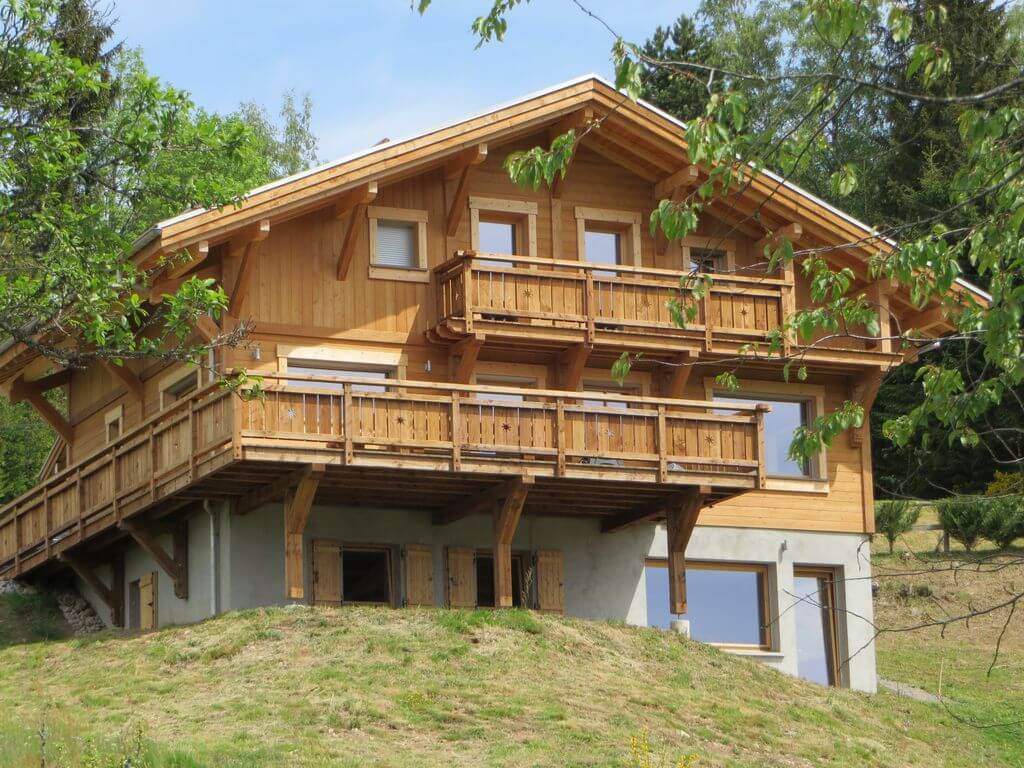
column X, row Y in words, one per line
column 291, row 413
column 610, row 433
column 400, row 420
column 506, row 426
column 527, row 293
column 709, row 439
column 744, row 311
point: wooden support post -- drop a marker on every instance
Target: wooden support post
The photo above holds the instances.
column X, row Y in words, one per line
column 571, row 365
column 589, row 308
column 864, row 390
column 878, row 294
column 456, row 427
column 28, row 391
column 680, row 521
column 506, row 520
column 355, row 200
column 87, row 573
column 708, row 322
column 679, row 375
column 297, row 505
column 458, row 168
column 662, row 447
column 463, row 358
column 788, row 307
column 176, row 565
column 762, row 462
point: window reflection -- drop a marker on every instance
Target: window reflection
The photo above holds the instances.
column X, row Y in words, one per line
column 779, row 425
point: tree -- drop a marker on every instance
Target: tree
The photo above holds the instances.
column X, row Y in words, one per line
column 25, row 440
column 290, row 147
column 681, row 94
column 93, row 151
column 895, row 518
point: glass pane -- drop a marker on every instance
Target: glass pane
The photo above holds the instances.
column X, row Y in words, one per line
column 308, row 370
column 498, row 237
column 779, row 425
column 396, row 245
column 601, row 248
column 724, row 606
column 812, row 648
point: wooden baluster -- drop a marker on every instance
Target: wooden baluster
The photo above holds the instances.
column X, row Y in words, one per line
column 456, row 432
column 114, row 485
column 762, row 472
column 347, row 423
column 560, row 436
column 17, row 540
column 467, row 294
column 662, row 446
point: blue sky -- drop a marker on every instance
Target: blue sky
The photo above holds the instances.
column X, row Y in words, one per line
column 374, row 68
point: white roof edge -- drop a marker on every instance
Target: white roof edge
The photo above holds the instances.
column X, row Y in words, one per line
column 153, row 231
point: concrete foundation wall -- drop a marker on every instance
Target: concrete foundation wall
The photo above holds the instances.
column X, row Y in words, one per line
column 237, row 562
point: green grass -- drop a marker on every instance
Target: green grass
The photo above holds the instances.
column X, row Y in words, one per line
column 364, row 686
column 29, row 618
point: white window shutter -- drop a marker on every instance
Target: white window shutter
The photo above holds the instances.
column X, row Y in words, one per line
column 396, row 245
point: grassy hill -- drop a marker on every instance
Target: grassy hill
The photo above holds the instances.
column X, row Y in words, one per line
column 362, row 686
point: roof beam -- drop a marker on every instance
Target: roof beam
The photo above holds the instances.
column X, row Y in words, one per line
column 247, row 243
column 458, row 167
column 196, row 254
column 925, row 319
column 355, row 200
column 485, row 501
column 684, row 178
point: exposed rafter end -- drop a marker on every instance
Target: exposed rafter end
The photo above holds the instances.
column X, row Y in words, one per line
column 458, row 168
column 355, row 200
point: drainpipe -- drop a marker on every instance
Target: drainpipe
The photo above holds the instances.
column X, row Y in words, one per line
column 214, row 513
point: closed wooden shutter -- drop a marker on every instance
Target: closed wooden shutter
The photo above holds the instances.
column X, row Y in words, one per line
column 148, row 618
column 461, row 578
column 550, row 586
column 419, row 575
column 326, row 573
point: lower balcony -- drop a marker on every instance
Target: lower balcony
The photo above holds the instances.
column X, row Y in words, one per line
column 448, row 449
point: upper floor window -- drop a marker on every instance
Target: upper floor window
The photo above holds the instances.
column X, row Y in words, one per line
column 707, row 260
column 709, row 254
column 398, row 244
column 113, row 421
column 333, row 370
column 498, row 237
column 178, row 385
column 608, row 237
column 508, row 227
column 519, row 382
column 779, row 424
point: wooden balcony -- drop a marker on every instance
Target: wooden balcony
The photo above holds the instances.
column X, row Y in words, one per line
column 411, row 443
column 538, row 301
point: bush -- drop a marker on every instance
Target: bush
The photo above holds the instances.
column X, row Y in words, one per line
column 1004, row 520
column 894, row 518
column 1005, row 484
column 963, row 519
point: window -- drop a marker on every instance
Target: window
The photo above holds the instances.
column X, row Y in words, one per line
column 707, row 260
column 779, row 424
column 608, row 237
column 709, row 253
column 726, row 604
column 113, row 421
column 485, row 580
column 398, row 244
column 366, row 575
column 319, row 368
column 816, row 633
column 521, row 382
column 608, row 388
column 503, row 226
column 178, row 385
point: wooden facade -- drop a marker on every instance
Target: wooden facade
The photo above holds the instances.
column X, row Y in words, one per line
column 498, row 362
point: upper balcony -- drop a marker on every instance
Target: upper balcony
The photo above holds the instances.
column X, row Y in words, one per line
column 411, row 444
column 547, row 302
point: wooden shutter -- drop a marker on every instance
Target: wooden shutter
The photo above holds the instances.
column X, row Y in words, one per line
column 148, row 601
column 461, row 578
column 326, row 573
column 550, row 587
column 419, row 575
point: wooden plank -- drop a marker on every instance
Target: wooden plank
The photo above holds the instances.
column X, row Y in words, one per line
column 550, row 581
column 461, row 589
column 419, row 575
column 326, row 573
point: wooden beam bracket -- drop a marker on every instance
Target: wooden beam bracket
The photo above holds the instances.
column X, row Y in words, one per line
column 458, row 168
column 483, row 502
column 297, row 505
column 30, row 392
column 247, row 244
column 85, row 570
column 174, row 564
column 506, row 520
column 355, row 200
column 572, row 363
column 463, row 356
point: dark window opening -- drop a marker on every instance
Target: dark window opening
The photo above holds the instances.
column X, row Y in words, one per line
column 485, row 581
column 366, row 576
column 134, row 606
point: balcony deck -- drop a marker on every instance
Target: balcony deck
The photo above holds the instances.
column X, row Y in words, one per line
column 411, row 444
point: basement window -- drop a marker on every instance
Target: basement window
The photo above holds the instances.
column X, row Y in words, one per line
column 727, row 604
column 485, row 580
column 366, row 575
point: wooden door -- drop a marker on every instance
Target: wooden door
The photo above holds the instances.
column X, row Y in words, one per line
column 550, row 585
column 419, row 575
column 326, row 573
column 461, row 578
column 148, row 617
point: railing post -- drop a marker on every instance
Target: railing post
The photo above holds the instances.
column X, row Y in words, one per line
column 17, row 542
column 192, row 442
column 346, row 417
column 79, row 500
column 588, row 304
column 47, row 519
column 456, row 428
column 762, row 472
column 467, row 294
column 708, row 325
column 662, row 447
column 114, row 489
column 152, row 465
column 560, row 436
column 788, row 308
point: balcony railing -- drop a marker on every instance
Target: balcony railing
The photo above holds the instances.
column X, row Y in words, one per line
column 400, row 425
column 478, row 287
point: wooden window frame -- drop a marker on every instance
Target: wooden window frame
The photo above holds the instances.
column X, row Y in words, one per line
column 419, row 274
column 768, row 642
column 355, row 357
column 521, row 213
column 627, row 223
column 710, row 243
column 174, row 378
column 832, row 631
column 813, row 394
column 113, row 416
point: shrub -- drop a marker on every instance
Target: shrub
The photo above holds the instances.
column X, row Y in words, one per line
column 894, row 518
column 963, row 519
column 1006, row 483
column 1004, row 520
